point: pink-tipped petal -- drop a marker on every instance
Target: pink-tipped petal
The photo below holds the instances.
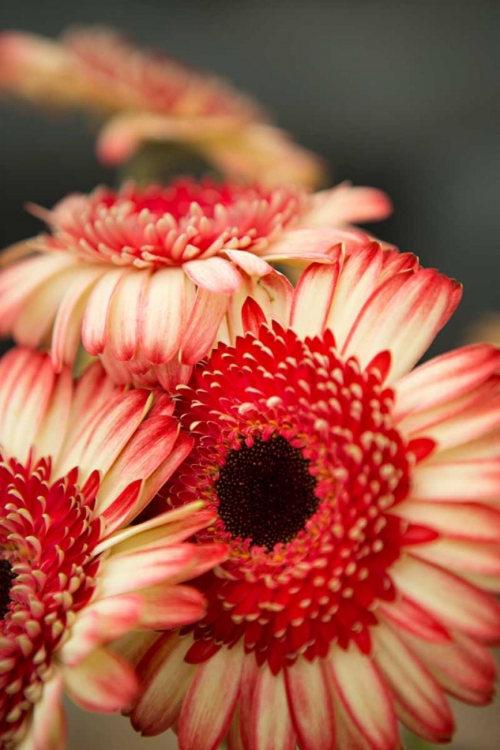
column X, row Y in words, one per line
column 310, row 699
column 305, row 244
column 213, row 274
column 445, row 378
column 365, row 697
column 206, row 713
column 164, row 680
column 345, row 204
column 163, row 315
column 272, row 724
column 48, row 723
column 171, row 607
column 249, row 263
column 420, row 702
column 95, row 319
column 450, row 599
column 313, row 298
column 403, row 316
column 201, row 328
column 125, row 313
column 467, row 521
column 103, row 683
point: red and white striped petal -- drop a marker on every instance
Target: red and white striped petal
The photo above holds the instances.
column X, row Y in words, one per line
column 365, row 697
column 96, row 316
column 403, row 316
column 207, row 713
column 124, row 315
column 103, row 683
column 164, row 680
column 453, row 602
column 467, row 521
column 345, row 204
column 27, row 382
column 310, row 699
column 464, row 668
column 272, row 727
column 462, row 557
column 66, row 334
column 100, row 623
column 305, row 244
column 419, row 700
column 445, row 379
column 48, row 722
column 313, row 298
column 206, row 316
column 213, row 274
column 409, row 616
column 163, row 315
column 164, row 607
column 457, row 482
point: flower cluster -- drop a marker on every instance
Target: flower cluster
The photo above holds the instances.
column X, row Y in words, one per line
column 229, row 505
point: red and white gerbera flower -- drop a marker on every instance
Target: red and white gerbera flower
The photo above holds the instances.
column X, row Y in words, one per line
column 78, row 462
column 152, row 98
column 150, row 279
column 359, row 501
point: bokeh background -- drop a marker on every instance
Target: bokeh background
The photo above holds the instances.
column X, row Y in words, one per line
column 400, row 95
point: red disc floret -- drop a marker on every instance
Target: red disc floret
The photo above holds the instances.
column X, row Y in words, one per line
column 300, row 595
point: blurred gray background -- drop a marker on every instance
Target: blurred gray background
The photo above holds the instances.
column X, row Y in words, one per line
column 401, row 95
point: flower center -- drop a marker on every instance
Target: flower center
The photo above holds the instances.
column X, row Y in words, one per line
column 6, row 578
column 266, row 493
column 169, row 226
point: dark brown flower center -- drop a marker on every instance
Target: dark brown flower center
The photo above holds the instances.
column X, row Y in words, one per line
column 7, row 577
column 266, row 493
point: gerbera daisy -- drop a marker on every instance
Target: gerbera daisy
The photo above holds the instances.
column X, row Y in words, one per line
column 149, row 278
column 359, row 501
column 154, row 98
column 78, row 461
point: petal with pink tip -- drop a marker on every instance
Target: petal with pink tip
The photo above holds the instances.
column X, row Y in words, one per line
column 171, row 607
column 445, row 378
column 125, row 313
column 164, row 679
column 365, row 697
column 20, row 281
column 464, row 668
column 95, row 319
column 103, row 683
column 121, row 574
column 201, row 328
column 470, row 521
column 66, row 334
column 457, row 481
column 98, row 624
column 47, row 728
column 345, row 204
column 462, row 556
column 103, row 437
column 311, row 704
column 313, row 298
column 163, row 315
column 28, row 382
column 206, row 713
column 272, row 724
column 320, row 245
column 403, row 316
column 249, row 262
column 451, row 600
column 419, row 700
column 213, row 274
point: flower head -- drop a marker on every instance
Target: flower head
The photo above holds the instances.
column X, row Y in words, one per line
column 150, row 278
column 78, row 462
column 152, row 97
column 359, row 502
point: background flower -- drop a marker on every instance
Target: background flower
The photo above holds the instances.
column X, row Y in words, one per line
column 78, row 462
column 360, row 504
column 162, row 100
column 150, row 278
